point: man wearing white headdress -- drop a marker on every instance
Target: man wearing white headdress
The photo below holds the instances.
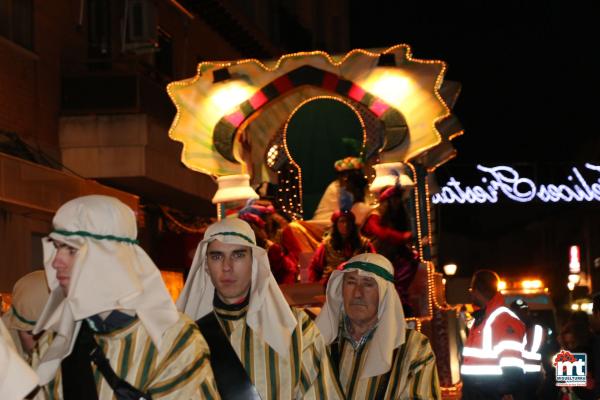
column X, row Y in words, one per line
column 278, row 349
column 17, row 379
column 374, row 354
column 29, row 297
column 108, row 299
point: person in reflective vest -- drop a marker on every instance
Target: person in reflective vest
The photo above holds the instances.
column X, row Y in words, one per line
column 493, row 365
column 534, row 337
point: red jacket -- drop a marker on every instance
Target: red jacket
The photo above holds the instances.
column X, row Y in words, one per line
column 496, row 342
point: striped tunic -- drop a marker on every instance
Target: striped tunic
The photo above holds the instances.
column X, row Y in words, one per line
column 413, row 374
column 181, row 371
column 305, row 374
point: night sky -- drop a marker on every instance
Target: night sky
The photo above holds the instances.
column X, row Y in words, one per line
column 527, row 72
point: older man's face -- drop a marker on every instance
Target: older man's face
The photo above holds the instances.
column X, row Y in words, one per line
column 230, row 270
column 361, row 297
column 63, row 262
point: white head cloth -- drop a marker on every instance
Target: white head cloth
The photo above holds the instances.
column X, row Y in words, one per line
column 29, row 296
column 17, row 379
column 111, row 272
column 269, row 315
column 391, row 327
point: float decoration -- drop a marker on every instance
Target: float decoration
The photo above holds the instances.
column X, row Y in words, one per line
column 217, row 110
column 232, row 119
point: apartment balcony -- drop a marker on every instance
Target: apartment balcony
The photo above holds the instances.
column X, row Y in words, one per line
column 37, row 191
column 115, row 87
column 133, row 152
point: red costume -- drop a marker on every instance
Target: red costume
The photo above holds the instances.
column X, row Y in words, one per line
column 395, row 246
column 283, row 262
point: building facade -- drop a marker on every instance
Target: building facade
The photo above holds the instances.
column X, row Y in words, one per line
column 83, row 108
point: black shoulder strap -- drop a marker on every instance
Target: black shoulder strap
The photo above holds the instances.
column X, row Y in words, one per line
column 76, row 370
column 231, row 377
column 78, row 377
column 123, row 390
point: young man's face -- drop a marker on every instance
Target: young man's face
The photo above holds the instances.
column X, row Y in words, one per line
column 361, row 297
column 230, row 270
column 63, row 263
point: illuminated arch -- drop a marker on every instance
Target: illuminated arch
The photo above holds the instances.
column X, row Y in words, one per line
column 292, row 161
column 224, row 132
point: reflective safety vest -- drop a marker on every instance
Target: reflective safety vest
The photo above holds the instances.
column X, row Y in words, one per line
column 532, row 342
column 498, row 341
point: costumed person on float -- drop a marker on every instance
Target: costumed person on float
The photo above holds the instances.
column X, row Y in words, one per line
column 264, row 221
column 350, row 184
column 389, row 229
column 351, row 179
column 111, row 328
column 342, row 243
column 29, row 296
column 261, row 348
column 374, row 354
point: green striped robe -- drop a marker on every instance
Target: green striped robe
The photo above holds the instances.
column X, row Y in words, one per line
column 181, row 371
column 413, row 375
column 305, row 374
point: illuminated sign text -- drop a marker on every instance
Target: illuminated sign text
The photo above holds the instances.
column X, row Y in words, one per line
column 505, row 181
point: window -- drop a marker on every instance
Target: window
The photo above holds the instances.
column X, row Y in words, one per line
column 16, row 22
column 99, row 44
column 163, row 58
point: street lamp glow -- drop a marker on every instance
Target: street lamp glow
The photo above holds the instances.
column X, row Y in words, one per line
column 571, row 286
column 450, row 269
column 574, row 278
column 574, row 260
column 532, row 284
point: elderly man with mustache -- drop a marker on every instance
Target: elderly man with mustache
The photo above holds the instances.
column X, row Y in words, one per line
column 373, row 353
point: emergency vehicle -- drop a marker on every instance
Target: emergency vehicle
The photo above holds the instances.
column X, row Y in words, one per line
column 537, row 296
